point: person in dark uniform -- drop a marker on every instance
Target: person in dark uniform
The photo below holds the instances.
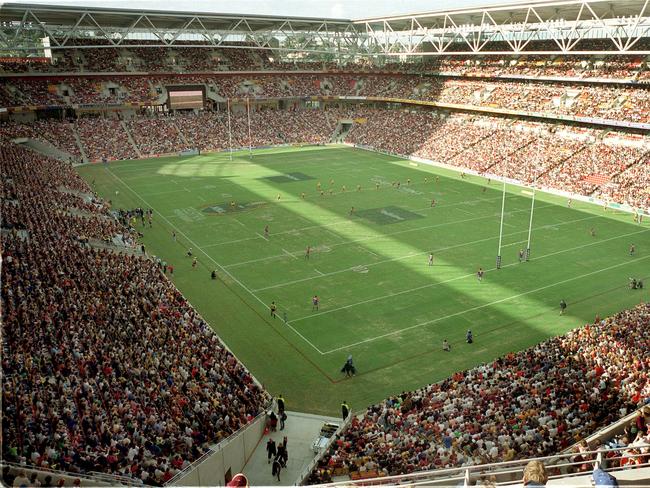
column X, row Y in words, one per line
column 348, row 368
column 345, row 410
column 280, row 401
column 562, row 307
column 271, row 450
column 284, row 453
column 281, row 456
column 274, row 308
column 277, row 467
column 469, row 337
column 273, row 421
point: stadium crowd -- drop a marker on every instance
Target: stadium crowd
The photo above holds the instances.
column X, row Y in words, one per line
column 142, row 55
column 624, row 103
column 104, row 139
column 528, row 404
column 576, row 160
column 127, row 379
column 106, row 367
column 524, row 151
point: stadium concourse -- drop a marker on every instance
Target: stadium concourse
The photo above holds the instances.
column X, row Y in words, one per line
column 107, row 369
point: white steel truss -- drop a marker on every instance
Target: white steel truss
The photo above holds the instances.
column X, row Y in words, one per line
column 106, row 28
column 588, row 27
column 551, row 27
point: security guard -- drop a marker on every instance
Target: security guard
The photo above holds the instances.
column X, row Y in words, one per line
column 280, row 401
column 345, row 410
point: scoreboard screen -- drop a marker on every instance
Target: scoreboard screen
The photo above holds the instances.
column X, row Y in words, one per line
column 180, row 98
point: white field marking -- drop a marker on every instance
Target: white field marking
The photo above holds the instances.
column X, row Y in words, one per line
column 463, row 244
column 225, row 271
column 337, row 236
column 381, row 236
column 478, row 307
column 260, row 235
column 347, row 220
column 514, row 243
column 239, row 222
column 288, row 253
column 368, row 250
column 165, row 192
column 258, row 260
column 278, row 256
column 319, row 272
column 465, row 211
column 462, row 277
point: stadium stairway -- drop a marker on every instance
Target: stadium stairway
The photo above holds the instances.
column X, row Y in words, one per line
column 47, row 149
column 135, row 147
column 80, row 145
column 564, row 160
column 180, row 133
column 343, row 128
column 641, row 161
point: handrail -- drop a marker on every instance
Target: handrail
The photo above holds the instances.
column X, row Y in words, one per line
column 304, row 474
column 491, row 469
column 110, row 479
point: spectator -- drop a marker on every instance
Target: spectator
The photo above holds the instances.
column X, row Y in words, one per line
column 535, row 474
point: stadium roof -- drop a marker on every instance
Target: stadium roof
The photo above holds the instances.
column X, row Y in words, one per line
column 167, row 19
column 504, row 12
column 501, row 28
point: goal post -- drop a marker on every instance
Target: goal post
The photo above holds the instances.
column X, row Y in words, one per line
column 503, row 206
column 530, row 223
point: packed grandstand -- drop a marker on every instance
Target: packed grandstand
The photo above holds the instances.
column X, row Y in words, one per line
column 108, row 369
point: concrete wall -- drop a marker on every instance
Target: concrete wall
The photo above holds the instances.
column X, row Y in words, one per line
column 231, row 454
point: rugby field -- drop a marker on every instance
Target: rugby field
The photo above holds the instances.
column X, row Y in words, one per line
column 379, row 299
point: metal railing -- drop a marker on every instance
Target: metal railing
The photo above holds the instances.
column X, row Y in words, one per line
column 92, row 476
column 304, row 474
column 558, row 466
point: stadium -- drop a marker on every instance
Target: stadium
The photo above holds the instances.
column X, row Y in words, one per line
column 263, row 250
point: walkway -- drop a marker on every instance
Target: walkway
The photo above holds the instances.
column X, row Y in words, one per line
column 301, row 430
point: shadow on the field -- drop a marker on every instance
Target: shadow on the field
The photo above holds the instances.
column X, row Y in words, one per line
column 385, row 305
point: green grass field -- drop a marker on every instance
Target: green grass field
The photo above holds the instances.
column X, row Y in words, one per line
column 380, row 301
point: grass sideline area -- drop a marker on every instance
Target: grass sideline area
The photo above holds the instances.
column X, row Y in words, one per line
column 379, row 299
